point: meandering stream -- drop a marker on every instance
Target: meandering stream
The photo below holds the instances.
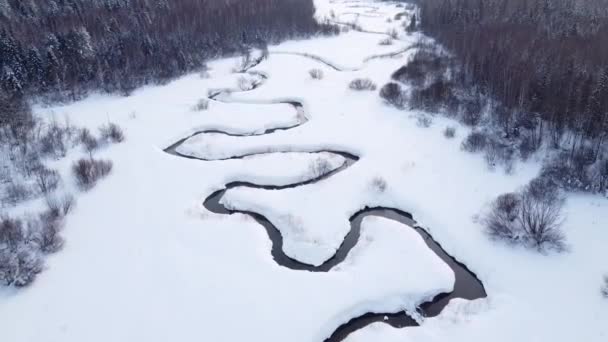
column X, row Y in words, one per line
column 466, row 286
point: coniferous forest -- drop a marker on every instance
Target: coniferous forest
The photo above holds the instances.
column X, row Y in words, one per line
column 63, row 48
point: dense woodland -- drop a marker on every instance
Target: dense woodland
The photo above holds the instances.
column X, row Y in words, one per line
column 537, row 68
column 63, row 48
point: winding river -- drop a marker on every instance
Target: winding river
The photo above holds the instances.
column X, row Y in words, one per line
column 467, row 285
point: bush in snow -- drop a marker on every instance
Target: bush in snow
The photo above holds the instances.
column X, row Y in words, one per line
column 378, row 184
column 604, row 288
column 112, row 132
column 393, row 34
column 45, row 232
column 449, row 132
column 16, row 191
column 88, row 141
column 386, row 41
column 424, row 120
column 246, row 83
column 202, row 104
column 501, row 220
column 47, row 180
column 54, row 141
column 471, row 110
column 319, row 167
column 362, row 84
column 391, row 93
column 20, row 260
column 476, row 141
column 532, row 217
column 89, row 171
column 316, row 74
column 60, row 205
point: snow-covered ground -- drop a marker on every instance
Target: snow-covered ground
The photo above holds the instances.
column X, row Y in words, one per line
column 144, row 260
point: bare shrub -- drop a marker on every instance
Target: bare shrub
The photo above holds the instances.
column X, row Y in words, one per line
column 449, row 132
column 47, row 232
column 47, row 180
column 88, row 171
column 12, row 233
column 476, row 141
column 527, row 146
column 15, row 192
column 501, row 221
column 319, row 167
column 424, row 120
column 541, row 217
column 246, row 83
column 20, row 262
column 202, row 104
column 471, row 111
column 604, row 287
column 54, row 140
column 378, row 184
column 20, row 268
column 362, row 84
column 386, row 41
column 532, row 217
column 60, row 205
column 393, row 34
column 391, row 93
column 498, row 153
column 112, row 132
column 438, row 95
column 316, row 74
column 88, row 141
column 426, row 63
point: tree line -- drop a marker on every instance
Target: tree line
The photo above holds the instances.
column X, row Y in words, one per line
column 546, row 58
column 63, row 48
column 532, row 73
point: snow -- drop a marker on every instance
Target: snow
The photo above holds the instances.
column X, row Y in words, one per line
column 144, row 260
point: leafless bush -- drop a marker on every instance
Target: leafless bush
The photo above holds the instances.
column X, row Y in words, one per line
column 541, row 219
column 88, row 171
column 424, row 120
column 393, row 34
column 386, row 41
column 532, row 217
column 112, row 132
column 476, row 141
column 436, row 96
column 46, row 233
column 391, row 93
column 449, row 132
column 471, row 110
column 362, row 84
column 316, row 74
column 47, row 180
column 501, row 220
column 16, row 191
column 20, row 262
column 19, row 268
column 319, row 167
column 378, row 184
column 527, row 146
column 246, row 83
column 425, row 64
column 60, row 205
column 202, row 104
column 88, row 141
column 604, row 287
column 55, row 139
column 497, row 153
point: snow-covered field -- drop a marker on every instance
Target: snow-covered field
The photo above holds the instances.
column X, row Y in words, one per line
column 145, row 261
